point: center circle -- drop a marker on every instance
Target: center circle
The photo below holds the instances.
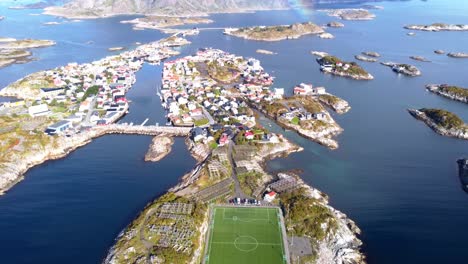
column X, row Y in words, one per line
column 246, row 243
column 234, row 218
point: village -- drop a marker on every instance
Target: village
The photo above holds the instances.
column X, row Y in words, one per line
column 81, row 96
column 217, row 92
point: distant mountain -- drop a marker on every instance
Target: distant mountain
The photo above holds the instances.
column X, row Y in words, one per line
column 99, row 8
column 163, row 7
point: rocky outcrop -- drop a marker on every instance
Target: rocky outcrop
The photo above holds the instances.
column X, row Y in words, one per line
column 372, row 54
column 460, row 132
column 342, row 245
column 160, row 147
column 402, row 68
column 334, row 102
column 458, row 55
column 335, row 24
column 451, row 92
column 439, row 52
column 350, row 14
column 438, row 27
column 326, row 35
column 11, row 172
column 275, row 33
column 419, row 58
column 266, row 52
column 364, row 58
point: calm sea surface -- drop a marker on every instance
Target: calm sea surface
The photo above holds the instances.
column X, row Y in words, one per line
column 392, row 175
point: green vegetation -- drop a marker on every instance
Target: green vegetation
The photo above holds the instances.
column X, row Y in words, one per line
column 295, row 120
column 274, row 109
column 133, row 238
column 201, row 122
column 278, row 32
column 353, row 69
column 444, row 118
column 245, row 235
column 330, row 99
column 93, row 90
column 250, row 181
column 454, row 90
column 226, row 73
column 305, row 215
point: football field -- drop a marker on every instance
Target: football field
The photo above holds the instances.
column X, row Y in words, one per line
column 241, row 235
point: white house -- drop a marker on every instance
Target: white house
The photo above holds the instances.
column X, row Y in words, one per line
column 38, row 110
column 269, row 197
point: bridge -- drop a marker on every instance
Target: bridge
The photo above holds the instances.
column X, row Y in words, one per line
column 142, row 130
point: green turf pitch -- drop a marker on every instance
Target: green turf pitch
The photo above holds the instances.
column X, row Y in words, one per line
column 241, row 235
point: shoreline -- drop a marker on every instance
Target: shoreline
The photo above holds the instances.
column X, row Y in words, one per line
column 340, row 245
column 419, row 115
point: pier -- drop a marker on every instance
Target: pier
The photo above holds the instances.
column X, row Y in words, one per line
column 143, row 130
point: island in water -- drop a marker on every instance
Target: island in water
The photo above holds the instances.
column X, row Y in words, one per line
column 419, row 58
column 449, row 91
column 406, row 69
column 442, row 122
column 218, row 93
column 365, row 58
column 350, row 13
column 13, row 51
column 333, row 65
column 461, row 55
column 275, row 33
column 438, row 27
column 160, row 22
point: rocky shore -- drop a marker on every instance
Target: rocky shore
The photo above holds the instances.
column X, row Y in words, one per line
column 160, row 22
column 26, row 44
column 442, row 122
column 402, row 68
column 338, row 105
column 12, row 171
column 364, row 58
column 275, row 33
column 266, row 52
column 342, row 245
column 350, row 14
column 451, row 92
column 160, row 147
column 462, row 55
column 335, row 24
column 372, row 54
column 419, row 58
column 438, row 27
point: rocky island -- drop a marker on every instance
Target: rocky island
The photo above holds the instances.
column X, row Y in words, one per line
column 275, row 33
column 440, row 52
column 449, row 91
column 365, row 58
column 13, row 51
column 335, row 24
column 419, row 58
column 461, row 55
column 266, row 52
column 402, row 68
column 175, row 228
column 438, row 27
column 333, row 65
column 372, row 54
column 160, row 22
column 442, row 122
column 350, row 14
column 25, row 43
column 160, row 147
column 1, row 18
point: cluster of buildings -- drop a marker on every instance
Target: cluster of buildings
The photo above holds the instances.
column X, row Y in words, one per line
column 217, row 111
column 93, row 93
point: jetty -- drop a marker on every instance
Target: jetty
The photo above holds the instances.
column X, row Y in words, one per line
column 142, row 130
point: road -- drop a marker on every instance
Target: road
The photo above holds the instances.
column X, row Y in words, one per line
column 237, row 188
